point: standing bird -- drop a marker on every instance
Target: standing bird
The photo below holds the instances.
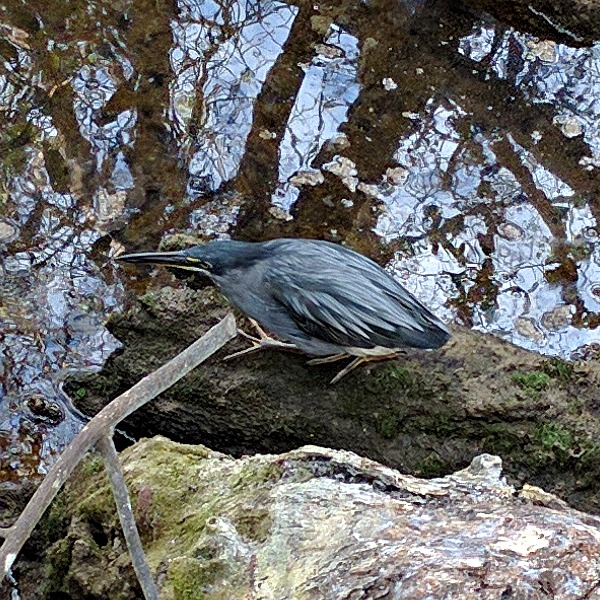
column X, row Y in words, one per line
column 321, row 298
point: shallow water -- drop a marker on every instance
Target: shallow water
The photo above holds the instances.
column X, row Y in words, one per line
column 460, row 153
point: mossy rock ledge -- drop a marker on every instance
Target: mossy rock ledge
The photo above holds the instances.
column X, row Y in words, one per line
column 311, row 524
column 426, row 413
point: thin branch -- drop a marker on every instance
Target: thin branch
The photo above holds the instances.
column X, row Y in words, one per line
column 102, row 425
column 106, row 448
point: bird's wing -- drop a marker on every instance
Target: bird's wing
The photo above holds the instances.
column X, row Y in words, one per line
column 357, row 306
column 320, row 316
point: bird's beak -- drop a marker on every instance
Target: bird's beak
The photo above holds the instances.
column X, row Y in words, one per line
column 179, row 260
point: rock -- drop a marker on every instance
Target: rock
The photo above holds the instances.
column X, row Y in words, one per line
column 320, row 523
column 308, row 177
column 558, row 318
column 427, row 413
column 8, row 231
column 568, row 125
column 345, row 169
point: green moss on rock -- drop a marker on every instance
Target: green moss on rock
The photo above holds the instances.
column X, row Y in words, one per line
column 532, row 383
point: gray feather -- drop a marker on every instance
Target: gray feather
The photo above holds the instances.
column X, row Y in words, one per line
column 346, row 299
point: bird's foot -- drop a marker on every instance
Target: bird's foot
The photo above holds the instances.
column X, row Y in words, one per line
column 327, row 359
column 348, row 368
column 262, row 334
column 262, row 342
column 359, row 361
column 262, row 345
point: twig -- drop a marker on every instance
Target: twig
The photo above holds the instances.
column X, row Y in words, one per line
column 102, row 424
column 107, row 449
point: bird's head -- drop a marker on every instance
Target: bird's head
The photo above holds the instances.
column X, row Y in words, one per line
column 211, row 260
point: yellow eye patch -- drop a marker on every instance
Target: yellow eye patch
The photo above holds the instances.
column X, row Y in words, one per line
column 198, row 261
column 186, row 267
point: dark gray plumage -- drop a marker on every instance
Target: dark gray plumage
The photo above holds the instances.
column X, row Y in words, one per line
column 323, row 298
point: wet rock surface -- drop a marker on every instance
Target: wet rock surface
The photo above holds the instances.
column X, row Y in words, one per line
column 315, row 523
column 427, row 413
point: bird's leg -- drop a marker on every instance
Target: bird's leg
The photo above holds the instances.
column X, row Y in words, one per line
column 360, row 360
column 262, row 345
column 264, row 340
column 327, row 359
column 262, row 334
column 348, row 368
column 253, row 339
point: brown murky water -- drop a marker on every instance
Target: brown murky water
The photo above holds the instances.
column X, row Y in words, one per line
column 461, row 153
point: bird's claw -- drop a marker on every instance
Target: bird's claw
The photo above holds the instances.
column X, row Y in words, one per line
column 326, row 359
column 253, row 339
column 259, row 343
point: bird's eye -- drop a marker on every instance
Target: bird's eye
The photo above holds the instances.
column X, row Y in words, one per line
column 202, row 264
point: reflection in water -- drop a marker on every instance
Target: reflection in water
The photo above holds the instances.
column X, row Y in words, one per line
column 93, row 89
column 503, row 286
column 328, row 89
column 570, row 79
column 53, row 306
column 227, row 62
column 425, row 157
column 54, row 300
column 548, row 73
column 217, row 217
column 543, row 179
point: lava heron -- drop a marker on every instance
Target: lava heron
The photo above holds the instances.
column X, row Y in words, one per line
column 318, row 297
